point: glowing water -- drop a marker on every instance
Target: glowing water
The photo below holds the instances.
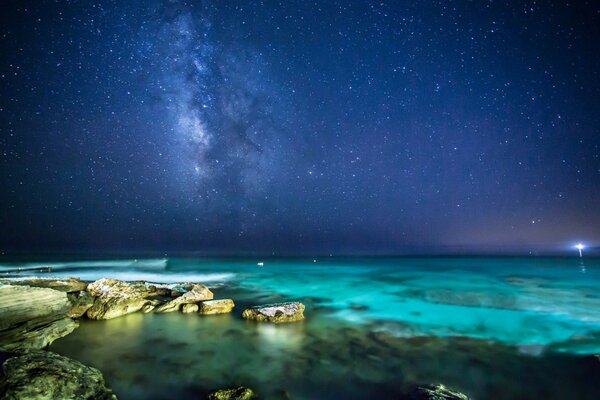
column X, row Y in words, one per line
column 373, row 326
column 547, row 302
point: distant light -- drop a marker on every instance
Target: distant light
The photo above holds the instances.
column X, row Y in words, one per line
column 260, row 264
column 580, row 247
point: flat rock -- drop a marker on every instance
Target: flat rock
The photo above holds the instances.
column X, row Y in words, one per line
column 275, row 313
column 31, row 337
column 42, row 375
column 115, row 298
column 196, row 293
column 240, row 393
column 211, row 307
column 63, row 285
column 435, row 392
column 189, row 308
column 32, row 318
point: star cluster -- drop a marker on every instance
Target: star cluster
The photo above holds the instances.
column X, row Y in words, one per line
column 299, row 127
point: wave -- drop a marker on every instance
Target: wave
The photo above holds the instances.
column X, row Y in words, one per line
column 92, row 275
column 151, row 263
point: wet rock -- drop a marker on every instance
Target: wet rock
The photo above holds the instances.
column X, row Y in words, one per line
column 44, row 375
column 115, row 298
column 150, row 306
column 63, row 285
column 240, row 393
column 31, row 336
column 32, row 318
column 196, row 294
column 435, row 392
column 276, row 313
column 81, row 302
column 189, row 308
column 216, row 307
column 154, row 290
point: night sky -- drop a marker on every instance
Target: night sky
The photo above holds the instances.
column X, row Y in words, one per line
column 297, row 127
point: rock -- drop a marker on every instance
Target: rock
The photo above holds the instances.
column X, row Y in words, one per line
column 196, row 294
column 240, row 393
column 150, row 306
column 32, row 318
column 189, row 308
column 154, row 290
column 37, row 337
column 81, row 302
column 64, row 285
column 115, row 298
column 42, row 375
column 434, row 392
column 276, row 313
column 211, row 307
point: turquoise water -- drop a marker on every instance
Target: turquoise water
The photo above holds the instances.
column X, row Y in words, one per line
column 482, row 325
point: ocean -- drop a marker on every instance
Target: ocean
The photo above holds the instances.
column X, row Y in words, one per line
column 502, row 328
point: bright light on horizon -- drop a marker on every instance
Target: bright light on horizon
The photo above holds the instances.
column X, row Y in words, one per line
column 580, row 247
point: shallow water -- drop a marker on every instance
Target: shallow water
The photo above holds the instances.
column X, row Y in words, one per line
column 506, row 327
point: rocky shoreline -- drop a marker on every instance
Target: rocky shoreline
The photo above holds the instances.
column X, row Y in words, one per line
column 34, row 312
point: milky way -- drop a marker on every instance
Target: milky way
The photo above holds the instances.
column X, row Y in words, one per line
column 299, row 127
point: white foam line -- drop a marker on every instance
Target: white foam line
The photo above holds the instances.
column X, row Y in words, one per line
column 135, row 263
column 152, row 277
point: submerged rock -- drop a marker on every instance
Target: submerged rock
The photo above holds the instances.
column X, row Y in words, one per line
column 435, row 392
column 81, row 302
column 63, row 285
column 115, row 298
column 211, row 307
column 44, row 375
column 276, row 313
column 196, row 293
column 189, row 308
column 32, row 318
column 240, row 393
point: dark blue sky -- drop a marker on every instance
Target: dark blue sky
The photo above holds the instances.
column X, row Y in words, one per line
column 299, row 127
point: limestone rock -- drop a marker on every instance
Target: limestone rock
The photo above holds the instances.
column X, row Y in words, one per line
column 211, row 307
column 240, row 393
column 276, row 313
column 115, row 298
column 81, row 302
column 64, row 285
column 435, row 392
column 196, row 293
column 36, row 337
column 42, row 375
column 32, row 318
column 150, row 306
column 189, row 308
column 158, row 290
